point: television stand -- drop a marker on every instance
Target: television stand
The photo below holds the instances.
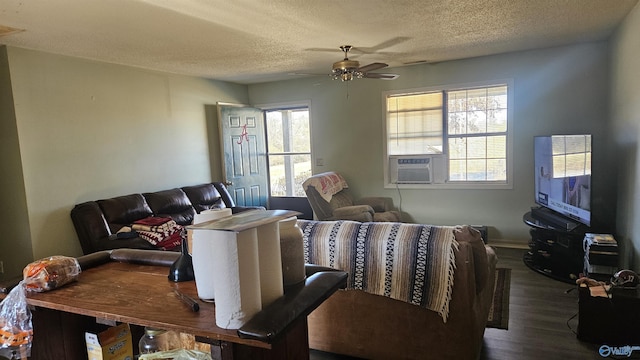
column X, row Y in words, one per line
column 554, row 250
column 553, row 219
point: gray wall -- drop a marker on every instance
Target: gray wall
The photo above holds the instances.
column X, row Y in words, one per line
column 15, row 244
column 556, row 91
column 625, row 111
column 85, row 130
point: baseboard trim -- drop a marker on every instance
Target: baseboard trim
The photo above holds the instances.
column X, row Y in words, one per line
column 507, row 243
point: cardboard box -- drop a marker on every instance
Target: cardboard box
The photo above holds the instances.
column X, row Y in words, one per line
column 112, row 344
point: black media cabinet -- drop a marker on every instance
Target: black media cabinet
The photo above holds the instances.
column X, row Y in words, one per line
column 554, row 251
column 611, row 321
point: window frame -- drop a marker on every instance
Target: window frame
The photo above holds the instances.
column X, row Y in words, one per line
column 484, row 185
column 285, row 106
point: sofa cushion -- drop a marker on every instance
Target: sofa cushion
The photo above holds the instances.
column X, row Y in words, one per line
column 172, row 203
column 124, row 210
column 204, row 197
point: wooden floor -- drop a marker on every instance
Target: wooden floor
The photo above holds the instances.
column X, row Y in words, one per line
column 540, row 319
column 540, row 310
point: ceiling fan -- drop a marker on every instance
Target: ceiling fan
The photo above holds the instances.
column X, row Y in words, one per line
column 347, row 70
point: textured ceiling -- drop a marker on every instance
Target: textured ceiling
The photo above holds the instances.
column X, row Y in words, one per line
column 249, row 41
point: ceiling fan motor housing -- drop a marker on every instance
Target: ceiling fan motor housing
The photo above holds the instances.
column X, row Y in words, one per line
column 346, row 65
column 347, row 70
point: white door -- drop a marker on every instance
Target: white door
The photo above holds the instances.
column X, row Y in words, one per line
column 244, row 154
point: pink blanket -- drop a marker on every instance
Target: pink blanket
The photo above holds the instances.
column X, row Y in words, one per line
column 327, row 184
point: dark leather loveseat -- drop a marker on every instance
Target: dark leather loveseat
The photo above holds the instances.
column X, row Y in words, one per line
column 97, row 222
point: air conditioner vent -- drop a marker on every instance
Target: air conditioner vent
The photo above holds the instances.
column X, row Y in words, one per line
column 416, row 169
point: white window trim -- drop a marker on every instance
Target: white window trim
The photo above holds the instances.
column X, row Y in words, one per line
column 284, row 105
column 472, row 185
column 291, row 105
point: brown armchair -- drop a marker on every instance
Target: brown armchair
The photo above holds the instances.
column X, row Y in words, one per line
column 331, row 199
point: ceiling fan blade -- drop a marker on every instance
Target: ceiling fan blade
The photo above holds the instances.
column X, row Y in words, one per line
column 307, row 74
column 380, row 76
column 371, row 67
column 331, row 50
column 383, row 45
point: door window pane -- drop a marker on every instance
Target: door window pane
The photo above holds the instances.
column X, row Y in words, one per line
column 289, row 150
column 289, row 183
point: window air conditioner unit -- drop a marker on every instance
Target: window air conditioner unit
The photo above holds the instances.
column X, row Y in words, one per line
column 417, row 169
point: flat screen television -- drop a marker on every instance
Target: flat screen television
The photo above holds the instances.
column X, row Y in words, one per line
column 563, row 175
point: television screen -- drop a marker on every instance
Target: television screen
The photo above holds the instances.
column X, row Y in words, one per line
column 563, row 175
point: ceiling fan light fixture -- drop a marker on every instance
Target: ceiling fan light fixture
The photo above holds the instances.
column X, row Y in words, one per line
column 347, row 70
column 341, row 75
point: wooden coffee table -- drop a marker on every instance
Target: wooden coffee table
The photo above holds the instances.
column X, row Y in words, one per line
column 140, row 294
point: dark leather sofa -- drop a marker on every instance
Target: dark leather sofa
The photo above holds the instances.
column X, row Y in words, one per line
column 97, row 222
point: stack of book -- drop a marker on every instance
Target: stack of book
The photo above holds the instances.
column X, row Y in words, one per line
column 600, row 256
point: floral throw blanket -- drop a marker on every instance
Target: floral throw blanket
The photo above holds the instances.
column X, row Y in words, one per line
column 162, row 232
column 414, row 263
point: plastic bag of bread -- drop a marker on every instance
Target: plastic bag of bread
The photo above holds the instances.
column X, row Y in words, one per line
column 50, row 273
column 16, row 330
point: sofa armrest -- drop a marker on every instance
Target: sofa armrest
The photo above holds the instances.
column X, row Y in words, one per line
column 310, row 269
column 112, row 242
column 145, row 257
column 297, row 303
column 362, row 213
column 228, row 200
column 224, row 194
column 90, row 225
column 239, row 209
column 467, row 234
column 378, row 203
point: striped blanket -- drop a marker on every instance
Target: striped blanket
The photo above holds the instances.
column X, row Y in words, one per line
column 414, row 263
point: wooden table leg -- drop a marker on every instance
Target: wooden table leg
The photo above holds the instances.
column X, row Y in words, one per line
column 60, row 335
column 294, row 345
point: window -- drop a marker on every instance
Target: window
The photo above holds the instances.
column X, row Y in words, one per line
column 464, row 131
column 477, row 134
column 288, row 150
column 414, row 124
